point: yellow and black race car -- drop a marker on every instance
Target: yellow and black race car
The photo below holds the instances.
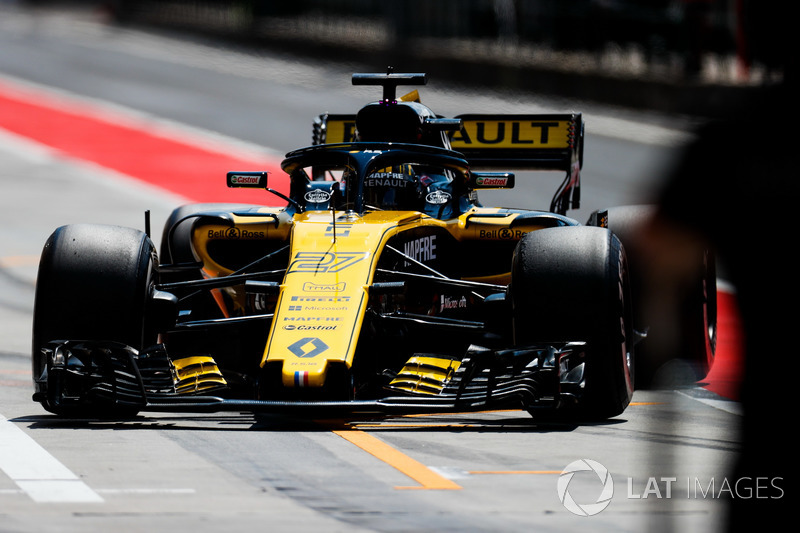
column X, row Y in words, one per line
column 383, row 285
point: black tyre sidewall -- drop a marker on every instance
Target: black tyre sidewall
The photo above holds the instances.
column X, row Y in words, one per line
column 571, row 284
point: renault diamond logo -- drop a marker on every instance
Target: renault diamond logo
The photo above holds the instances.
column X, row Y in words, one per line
column 308, row 347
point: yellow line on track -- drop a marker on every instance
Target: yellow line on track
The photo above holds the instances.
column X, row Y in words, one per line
column 427, row 478
column 18, row 260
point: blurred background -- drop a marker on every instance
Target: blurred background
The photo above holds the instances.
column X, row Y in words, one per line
column 699, row 57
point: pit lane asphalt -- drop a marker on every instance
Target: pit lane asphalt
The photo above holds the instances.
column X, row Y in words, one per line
column 236, row 471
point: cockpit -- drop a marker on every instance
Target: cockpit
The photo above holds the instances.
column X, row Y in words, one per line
column 411, row 187
column 364, row 177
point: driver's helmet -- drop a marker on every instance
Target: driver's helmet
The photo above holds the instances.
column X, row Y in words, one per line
column 436, row 188
column 410, row 188
column 392, row 188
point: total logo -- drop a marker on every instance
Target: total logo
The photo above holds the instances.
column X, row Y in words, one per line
column 603, row 487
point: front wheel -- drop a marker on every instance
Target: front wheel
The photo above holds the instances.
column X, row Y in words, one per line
column 571, row 284
column 95, row 283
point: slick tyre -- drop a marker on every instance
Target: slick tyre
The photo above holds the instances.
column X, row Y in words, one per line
column 571, row 284
column 94, row 283
column 680, row 342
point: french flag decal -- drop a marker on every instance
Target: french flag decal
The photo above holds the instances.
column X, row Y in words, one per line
column 301, row 379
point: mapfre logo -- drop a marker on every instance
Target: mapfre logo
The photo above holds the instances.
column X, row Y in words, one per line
column 605, row 487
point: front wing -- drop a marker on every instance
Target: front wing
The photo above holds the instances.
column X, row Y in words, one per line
column 109, row 376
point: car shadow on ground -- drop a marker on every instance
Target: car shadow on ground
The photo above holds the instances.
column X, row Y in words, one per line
column 481, row 422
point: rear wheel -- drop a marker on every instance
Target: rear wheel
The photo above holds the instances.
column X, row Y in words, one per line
column 571, row 284
column 678, row 316
column 94, row 284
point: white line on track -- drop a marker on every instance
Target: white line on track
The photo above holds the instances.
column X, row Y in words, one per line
column 147, row 491
column 37, row 473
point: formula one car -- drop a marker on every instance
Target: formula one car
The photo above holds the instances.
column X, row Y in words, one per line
column 382, row 286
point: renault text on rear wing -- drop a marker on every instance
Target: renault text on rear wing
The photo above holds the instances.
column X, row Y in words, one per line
column 533, row 142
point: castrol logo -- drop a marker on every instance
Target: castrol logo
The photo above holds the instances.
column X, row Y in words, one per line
column 245, row 180
column 492, row 182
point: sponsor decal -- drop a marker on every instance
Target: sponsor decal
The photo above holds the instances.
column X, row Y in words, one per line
column 321, row 308
column 239, row 179
column 324, row 262
column 317, row 196
column 312, row 319
column 328, row 299
column 437, row 197
column 325, row 287
column 446, row 302
column 236, row 233
column 307, row 347
column 502, row 233
column 492, row 182
column 292, row 327
column 422, row 249
column 386, row 179
column 512, row 134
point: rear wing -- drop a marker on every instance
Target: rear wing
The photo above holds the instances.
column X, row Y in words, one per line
column 331, row 129
column 531, row 142
column 501, row 142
